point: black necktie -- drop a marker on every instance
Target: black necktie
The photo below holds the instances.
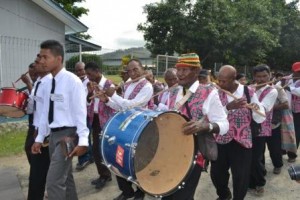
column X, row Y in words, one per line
column 35, row 91
column 51, row 106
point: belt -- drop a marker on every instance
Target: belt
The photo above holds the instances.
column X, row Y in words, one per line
column 60, row 128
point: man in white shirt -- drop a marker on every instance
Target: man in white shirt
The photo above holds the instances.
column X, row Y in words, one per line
column 65, row 113
column 137, row 94
column 235, row 147
column 203, row 107
column 267, row 96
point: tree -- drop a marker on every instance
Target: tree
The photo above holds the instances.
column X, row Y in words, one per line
column 237, row 32
column 76, row 11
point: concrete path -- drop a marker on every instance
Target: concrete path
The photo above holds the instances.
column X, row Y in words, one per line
column 10, row 187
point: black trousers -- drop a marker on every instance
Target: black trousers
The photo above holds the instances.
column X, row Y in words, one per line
column 188, row 191
column 238, row 159
column 257, row 167
column 274, row 146
column 297, row 133
column 127, row 189
column 29, row 142
column 38, row 173
column 103, row 171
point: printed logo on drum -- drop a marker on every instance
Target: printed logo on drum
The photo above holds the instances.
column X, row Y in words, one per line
column 120, row 156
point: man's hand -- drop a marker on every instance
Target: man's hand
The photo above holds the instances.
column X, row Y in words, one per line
column 91, row 87
column 254, row 106
column 237, row 104
column 110, row 91
column 194, row 127
column 78, row 151
column 36, row 148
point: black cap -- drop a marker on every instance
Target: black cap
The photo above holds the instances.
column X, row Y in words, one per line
column 203, row 73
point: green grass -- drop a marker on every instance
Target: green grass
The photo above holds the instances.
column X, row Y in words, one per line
column 12, row 142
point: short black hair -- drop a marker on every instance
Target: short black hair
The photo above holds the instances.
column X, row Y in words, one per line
column 261, row 68
column 278, row 74
column 239, row 76
column 92, row 66
column 55, row 47
column 31, row 65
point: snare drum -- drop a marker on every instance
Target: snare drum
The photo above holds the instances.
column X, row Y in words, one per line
column 148, row 148
column 12, row 102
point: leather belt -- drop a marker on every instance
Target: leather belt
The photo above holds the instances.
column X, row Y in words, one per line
column 60, row 128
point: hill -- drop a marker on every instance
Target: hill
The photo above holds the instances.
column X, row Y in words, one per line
column 139, row 52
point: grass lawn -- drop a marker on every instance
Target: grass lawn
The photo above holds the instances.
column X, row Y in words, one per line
column 12, row 142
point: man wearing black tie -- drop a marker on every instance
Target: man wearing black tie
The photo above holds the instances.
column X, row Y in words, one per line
column 65, row 112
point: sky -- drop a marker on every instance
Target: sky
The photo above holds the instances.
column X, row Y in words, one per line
column 113, row 23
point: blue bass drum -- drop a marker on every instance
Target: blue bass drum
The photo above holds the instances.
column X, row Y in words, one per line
column 148, row 148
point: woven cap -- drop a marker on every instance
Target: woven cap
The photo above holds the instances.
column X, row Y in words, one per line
column 188, row 60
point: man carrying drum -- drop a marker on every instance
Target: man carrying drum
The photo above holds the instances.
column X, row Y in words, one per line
column 201, row 104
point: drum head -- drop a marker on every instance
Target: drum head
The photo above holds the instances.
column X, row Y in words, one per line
column 10, row 111
column 164, row 155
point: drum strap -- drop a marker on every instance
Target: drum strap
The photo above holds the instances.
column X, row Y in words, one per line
column 182, row 101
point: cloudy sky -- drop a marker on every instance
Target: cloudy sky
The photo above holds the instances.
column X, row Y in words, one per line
column 113, row 24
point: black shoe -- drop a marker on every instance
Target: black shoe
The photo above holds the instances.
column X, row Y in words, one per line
column 139, row 195
column 227, row 198
column 122, row 197
column 101, row 182
column 80, row 167
column 95, row 181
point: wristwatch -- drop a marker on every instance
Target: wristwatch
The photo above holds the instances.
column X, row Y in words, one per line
column 210, row 127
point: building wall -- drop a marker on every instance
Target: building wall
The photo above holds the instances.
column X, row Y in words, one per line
column 24, row 25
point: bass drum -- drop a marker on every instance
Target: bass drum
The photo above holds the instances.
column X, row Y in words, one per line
column 148, row 148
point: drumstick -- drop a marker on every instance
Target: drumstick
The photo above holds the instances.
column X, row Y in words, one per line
column 13, row 84
column 235, row 98
column 21, row 77
column 165, row 90
column 128, row 82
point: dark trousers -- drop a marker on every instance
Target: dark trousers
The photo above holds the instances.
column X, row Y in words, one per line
column 126, row 188
column 88, row 156
column 274, row 146
column 257, row 167
column 29, row 142
column 238, row 158
column 37, row 175
column 188, row 191
column 103, row 171
column 297, row 133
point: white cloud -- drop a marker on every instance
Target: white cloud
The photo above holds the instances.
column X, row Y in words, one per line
column 113, row 24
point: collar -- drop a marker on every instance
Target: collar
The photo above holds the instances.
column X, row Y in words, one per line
column 102, row 82
column 194, row 86
column 60, row 74
column 262, row 89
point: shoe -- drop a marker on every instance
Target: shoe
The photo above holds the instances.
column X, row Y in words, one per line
column 227, row 198
column 122, row 197
column 95, row 181
column 139, row 195
column 102, row 182
column 292, row 160
column 80, row 167
column 259, row 191
column 277, row 170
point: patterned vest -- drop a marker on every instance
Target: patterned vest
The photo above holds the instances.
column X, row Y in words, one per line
column 266, row 126
column 172, row 97
column 296, row 100
column 104, row 111
column 136, row 90
column 239, row 123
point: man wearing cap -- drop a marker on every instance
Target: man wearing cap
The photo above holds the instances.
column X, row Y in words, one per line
column 293, row 92
column 203, row 77
column 205, row 111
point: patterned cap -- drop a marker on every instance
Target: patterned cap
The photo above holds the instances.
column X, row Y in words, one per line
column 188, row 60
column 296, row 67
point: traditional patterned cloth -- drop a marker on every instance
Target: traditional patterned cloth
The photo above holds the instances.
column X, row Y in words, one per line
column 188, row 60
column 288, row 138
column 171, row 98
column 239, row 123
column 104, row 111
column 266, row 126
column 296, row 100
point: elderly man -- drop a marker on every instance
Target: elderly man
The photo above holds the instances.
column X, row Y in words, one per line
column 235, row 147
column 202, row 102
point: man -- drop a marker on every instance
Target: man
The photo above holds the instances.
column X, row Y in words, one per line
column 169, row 98
column 203, row 77
column 267, row 96
column 98, row 115
column 39, row 162
column 241, row 78
column 86, row 158
column 235, row 147
column 65, row 112
column 202, row 103
column 30, row 132
column 293, row 92
column 136, row 94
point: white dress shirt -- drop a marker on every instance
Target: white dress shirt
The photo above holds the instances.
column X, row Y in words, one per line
column 213, row 109
column 294, row 90
column 96, row 100
column 254, row 99
column 41, row 93
column 165, row 99
column 117, row 102
column 69, row 106
column 269, row 100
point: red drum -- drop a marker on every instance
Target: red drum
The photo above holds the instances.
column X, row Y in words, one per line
column 12, row 102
